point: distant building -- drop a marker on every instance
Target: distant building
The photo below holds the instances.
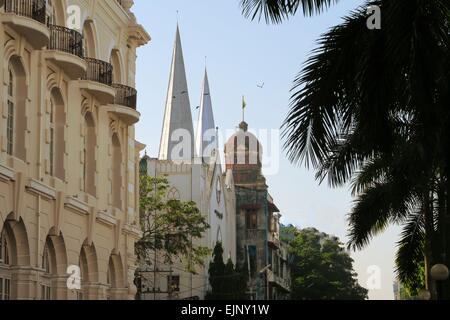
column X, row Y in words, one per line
column 257, row 219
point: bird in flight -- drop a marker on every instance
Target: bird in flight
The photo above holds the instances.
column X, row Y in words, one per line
column 260, row 85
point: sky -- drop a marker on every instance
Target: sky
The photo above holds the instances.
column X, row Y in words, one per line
column 240, row 56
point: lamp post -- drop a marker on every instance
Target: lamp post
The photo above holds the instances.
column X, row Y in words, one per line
column 439, row 273
column 424, row 294
column 264, row 273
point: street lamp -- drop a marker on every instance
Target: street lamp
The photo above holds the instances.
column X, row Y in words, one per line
column 439, row 273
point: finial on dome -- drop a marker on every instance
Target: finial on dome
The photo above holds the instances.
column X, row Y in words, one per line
column 243, row 126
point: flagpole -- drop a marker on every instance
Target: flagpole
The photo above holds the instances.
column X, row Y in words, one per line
column 243, row 108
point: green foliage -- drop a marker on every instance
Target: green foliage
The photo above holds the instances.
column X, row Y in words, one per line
column 170, row 226
column 276, row 11
column 321, row 268
column 227, row 282
column 373, row 107
column 412, row 286
column 288, row 233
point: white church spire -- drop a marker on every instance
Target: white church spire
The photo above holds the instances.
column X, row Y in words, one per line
column 177, row 137
column 206, row 139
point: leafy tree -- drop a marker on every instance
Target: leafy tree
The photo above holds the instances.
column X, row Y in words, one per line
column 216, row 272
column 170, row 226
column 241, row 281
column 321, row 269
column 411, row 288
column 389, row 190
column 227, row 282
column 288, row 233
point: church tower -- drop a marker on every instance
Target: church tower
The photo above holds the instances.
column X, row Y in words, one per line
column 258, row 245
column 206, row 139
column 243, row 154
column 177, row 137
column 201, row 182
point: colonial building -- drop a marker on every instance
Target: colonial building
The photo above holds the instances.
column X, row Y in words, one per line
column 194, row 170
column 259, row 247
column 68, row 155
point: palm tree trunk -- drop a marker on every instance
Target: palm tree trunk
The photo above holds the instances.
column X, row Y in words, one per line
column 442, row 231
column 429, row 230
column 446, row 235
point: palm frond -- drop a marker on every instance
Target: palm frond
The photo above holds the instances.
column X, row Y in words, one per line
column 373, row 171
column 325, row 102
column 379, row 205
column 410, row 253
column 342, row 162
column 275, row 11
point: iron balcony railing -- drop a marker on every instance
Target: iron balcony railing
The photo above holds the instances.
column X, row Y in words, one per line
column 99, row 71
column 125, row 96
column 66, row 40
column 34, row 9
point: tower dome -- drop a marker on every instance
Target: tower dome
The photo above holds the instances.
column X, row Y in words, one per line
column 243, row 154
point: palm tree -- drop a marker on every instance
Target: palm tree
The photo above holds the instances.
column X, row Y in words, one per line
column 390, row 190
column 278, row 10
column 362, row 98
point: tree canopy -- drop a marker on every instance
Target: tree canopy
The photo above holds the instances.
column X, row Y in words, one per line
column 227, row 281
column 321, row 269
column 169, row 226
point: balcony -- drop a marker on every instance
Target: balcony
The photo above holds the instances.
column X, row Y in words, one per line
column 274, row 239
column 278, row 281
column 125, row 104
column 98, row 81
column 65, row 49
column 28, row 18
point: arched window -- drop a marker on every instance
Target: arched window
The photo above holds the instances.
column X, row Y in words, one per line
column 117, row 172
column 46, row 289
column 5, row 277
column 56, row 141
column 89, row 164
column 173, row 194
column 4, row 253
column 218, row 190
column 16, row 124
column 109, row 280
column 114, row 278
column 89, row 40
column 46, row 261
column 11, row 112
column 83, row 274
column 88, row 271
column 247, row 150
column 219, row 235
column 115, row 62
column 235, row 151
column 51, row 155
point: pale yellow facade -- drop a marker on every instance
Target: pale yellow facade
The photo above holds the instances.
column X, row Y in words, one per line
column 68, row 154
